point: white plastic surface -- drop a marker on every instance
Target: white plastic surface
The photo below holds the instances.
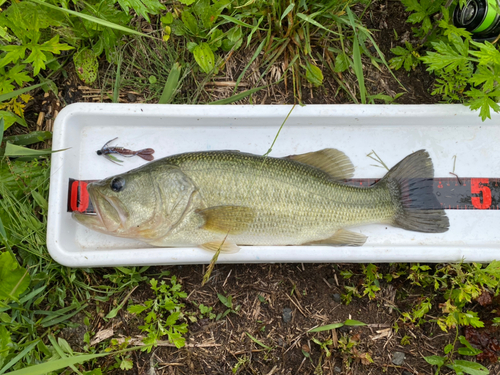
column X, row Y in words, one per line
column 392, row 131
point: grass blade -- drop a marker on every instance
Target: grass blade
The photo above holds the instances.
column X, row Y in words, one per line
column 14, row 93
column 2, row 124
column 15, row 151
column 50, row 322
column 116, row 88
column 61, row 353
column 255, row 55
column 315, row 23
column 354, row 323
column 258, row 342
column 171, row 84
column 93, row 19
column 328, row 327
column 239, row 96
column 18, row 357
column 356, row 57
column 47, row 367
column 287, row 10
column 237, row 22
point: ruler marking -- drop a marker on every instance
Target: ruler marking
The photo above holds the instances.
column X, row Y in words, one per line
column 479, row 193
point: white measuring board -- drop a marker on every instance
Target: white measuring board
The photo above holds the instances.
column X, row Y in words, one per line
column 392, row 131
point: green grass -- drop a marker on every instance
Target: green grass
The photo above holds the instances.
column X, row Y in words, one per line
column 169, row 59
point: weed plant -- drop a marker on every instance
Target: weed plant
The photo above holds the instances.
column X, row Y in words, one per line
column 458, row 285
column 466, row 71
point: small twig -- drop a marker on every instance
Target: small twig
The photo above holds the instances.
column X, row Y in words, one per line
column 296, row 305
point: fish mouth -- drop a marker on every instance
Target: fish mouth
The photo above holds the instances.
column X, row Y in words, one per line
column 110, row 215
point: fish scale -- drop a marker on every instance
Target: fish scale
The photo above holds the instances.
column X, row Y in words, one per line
column 209, row 198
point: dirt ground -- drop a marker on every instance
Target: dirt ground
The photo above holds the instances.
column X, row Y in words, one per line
column 281, row 302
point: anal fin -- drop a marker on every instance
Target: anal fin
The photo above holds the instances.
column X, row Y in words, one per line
column 342, row 237
column 225, row 247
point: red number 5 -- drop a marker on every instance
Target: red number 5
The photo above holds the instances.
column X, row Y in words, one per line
column 477, row 186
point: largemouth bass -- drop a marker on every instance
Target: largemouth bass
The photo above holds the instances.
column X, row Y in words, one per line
column 222, row 199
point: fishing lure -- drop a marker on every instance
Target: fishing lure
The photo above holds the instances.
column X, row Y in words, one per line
column 107, row 151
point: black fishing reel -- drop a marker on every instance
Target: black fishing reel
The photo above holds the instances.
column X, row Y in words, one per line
column 480, row 18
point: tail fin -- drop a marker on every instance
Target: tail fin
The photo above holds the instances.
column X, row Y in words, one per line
column 146, row 154
column 410, row 185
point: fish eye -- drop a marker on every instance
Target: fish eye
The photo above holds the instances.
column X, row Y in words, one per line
column 99, row 152
column 117, row 184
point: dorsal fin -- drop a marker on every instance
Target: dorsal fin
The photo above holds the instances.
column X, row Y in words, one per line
column 329, row 160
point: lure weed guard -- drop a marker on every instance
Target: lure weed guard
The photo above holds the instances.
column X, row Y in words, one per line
column 447, row 132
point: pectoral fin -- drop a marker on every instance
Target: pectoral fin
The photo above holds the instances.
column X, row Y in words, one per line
column 225, row 247
column 329, row 160
column 342, row 237
column 227, row 219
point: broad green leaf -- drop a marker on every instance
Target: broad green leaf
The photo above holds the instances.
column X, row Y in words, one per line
column 483, row 101
column 42, row 53
column 204, row 56
column 448, row 348
column 5, row 344
column 208, row 14
column 142, row 7
column 167, row 19
column 327, row 327
column 17, row 74
column 190, row 22
column 446, row 57
column 468, row 350
column 487, row 54
column 171, row 84
column 435, row 360
column 93, row 19
column 342, row 63
column 10, row 118
column 126, row 364
column 234, row 39
column 40, row 200
column 487, row 76
column 187, row 2
column 172, row 318
column 472, row 368
column 314, row 74
column 14, row 53
column 86, row 65
column 136, row 309
column 14, row 279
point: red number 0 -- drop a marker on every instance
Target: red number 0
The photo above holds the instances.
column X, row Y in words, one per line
column 478, row 185
column 84, row 196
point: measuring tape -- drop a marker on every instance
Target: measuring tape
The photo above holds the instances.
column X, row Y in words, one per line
column 451, row 193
